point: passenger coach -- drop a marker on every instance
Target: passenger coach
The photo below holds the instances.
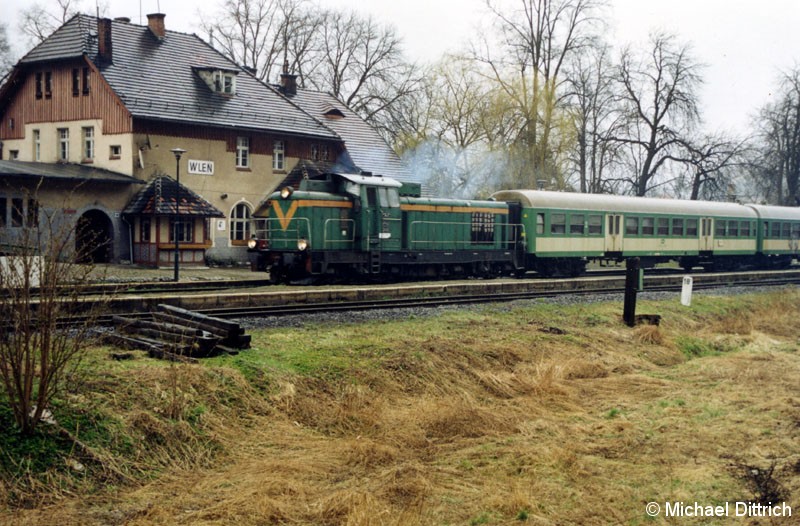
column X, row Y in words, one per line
column 564, row 230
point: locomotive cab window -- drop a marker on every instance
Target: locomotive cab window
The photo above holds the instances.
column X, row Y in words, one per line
column 389, row 197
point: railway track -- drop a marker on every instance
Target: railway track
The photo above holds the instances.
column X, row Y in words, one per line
column 606, row 285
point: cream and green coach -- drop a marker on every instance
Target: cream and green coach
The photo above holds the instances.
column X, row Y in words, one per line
column 564, row 230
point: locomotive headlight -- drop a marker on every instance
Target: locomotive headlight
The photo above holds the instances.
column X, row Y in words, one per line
column 251, row 243
column 286, row 192
column 302, row 244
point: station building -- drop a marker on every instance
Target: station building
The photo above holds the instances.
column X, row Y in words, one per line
column 93, row 118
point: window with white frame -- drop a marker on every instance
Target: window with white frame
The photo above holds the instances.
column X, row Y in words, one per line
column 278, row 152
column 185, row 230
column 88, row 143
column 224, row 82
column 63, row 144
column 37, row 145
column 240, row 222
column 242, row 152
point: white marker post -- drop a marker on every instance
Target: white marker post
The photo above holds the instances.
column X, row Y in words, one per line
column 686, row 291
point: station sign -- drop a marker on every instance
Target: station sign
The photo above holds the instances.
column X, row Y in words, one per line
column 201, row 167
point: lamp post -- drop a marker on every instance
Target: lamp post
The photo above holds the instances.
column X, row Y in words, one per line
column 177, row 152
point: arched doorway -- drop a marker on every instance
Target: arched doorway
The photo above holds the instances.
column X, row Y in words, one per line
column 93, row 241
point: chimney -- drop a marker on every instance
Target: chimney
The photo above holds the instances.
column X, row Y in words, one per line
column 155, row 21
column 288, row 82
column 104, row 39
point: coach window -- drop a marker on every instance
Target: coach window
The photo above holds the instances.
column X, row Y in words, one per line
column 595, row 225
column 719, row 231
column 785, row 229
column 733, row 229
column 648, row 226
column 540, row 223
column 677, row 226
column 744, row 228
column 576, row 224
column 662, row 223
column 776, row 230
column 558, row 223
column 632, row 226
column 691, row 227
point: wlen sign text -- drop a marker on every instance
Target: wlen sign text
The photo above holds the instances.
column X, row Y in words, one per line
column 201, row 167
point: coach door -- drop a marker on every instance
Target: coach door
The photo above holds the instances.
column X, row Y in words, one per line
column 706, row 233
column 613, row 233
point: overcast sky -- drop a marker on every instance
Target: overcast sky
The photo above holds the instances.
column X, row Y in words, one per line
column 744, row 44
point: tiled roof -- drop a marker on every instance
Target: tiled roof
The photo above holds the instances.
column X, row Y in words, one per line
column 366, row 146
column 158, row 79
column 63, row 172
column 158, row 198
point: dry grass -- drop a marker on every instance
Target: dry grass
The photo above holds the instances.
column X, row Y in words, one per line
column 504, row 424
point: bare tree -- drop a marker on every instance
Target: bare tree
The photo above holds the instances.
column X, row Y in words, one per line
column 38, row 21
column 593, row 99
column 537, row 37
column 262, row 34
column 361, row 62
column 6, row 58
column 713, row 162
column 41, row 346
column 660, row 96
column 777, row 170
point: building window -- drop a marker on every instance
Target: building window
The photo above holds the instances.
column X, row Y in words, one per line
column 33, row 213
column 224, row 83
column 76, row 82
column 319, row 152
column 16, row 212
column 13, row 155
column 63, row 144
column 39, row 85
column 185, row 230
column 48, row 84
column 144, row 229
column 88, row 143
column 37, row 145
column 86, row 81
column 3, row 211
column 240, row 222
column 115, row 151
column 278, row 151
column 242, row 152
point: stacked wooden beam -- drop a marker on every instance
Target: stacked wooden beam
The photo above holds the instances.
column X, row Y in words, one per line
column 178, row 334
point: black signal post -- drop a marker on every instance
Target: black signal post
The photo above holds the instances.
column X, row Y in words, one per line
column 178, row 152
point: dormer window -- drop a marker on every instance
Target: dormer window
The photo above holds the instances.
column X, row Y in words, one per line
column 222, row 81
